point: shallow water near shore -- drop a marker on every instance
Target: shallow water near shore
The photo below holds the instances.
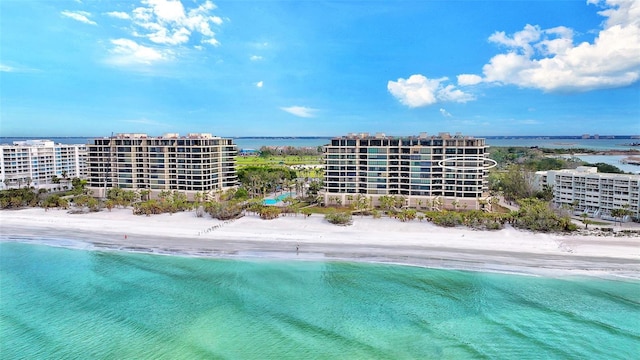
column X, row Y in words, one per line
column 70, row 303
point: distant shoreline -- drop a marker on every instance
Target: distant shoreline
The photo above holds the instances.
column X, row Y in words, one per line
column 313, row 239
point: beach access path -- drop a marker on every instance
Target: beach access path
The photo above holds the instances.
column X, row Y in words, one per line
column 367, row 240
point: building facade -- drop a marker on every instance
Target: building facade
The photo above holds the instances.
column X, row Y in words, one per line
column 450, row 169
column 38, row 163
column 596, row 194
column 193, row 163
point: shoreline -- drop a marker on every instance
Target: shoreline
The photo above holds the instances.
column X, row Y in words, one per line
column 382, row 241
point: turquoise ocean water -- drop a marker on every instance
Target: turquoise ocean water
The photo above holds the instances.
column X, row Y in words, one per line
column 87, row 304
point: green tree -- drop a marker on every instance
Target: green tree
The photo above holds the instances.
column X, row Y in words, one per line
column 537, row 215
column 620, row 213
column 269, row 212
column 585, row 220
column 606, row 168
column 515, row 183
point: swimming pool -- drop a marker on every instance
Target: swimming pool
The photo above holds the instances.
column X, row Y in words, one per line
column 278, row 198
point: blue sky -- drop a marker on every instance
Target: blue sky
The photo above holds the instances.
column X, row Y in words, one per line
column 319, row 68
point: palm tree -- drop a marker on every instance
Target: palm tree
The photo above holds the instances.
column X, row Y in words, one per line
column 585, row 221
column 494, row 201
column 144, row 194
column 437, row 203
column 482, row 203
column 362, row 203
column 620, row 213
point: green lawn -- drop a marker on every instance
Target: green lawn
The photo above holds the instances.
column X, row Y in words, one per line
column 279, row 160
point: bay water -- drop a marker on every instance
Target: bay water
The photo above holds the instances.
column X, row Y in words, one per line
column 58, row 302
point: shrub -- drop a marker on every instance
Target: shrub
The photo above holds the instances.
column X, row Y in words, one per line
column 537, row 215
column 339, row 218
column 493, row 225
column 224, row 211
column 269, row 212
column 446, row 218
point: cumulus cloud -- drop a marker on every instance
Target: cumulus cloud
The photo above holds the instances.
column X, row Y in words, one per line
column 418, row 90
column 469, row 79
column 168, row 22
column 300, row 111
column 548, row 59
column 119, row 15
column 81, row 16
column 255, row 57
column 260, row 84
column 161, row 29
column 128, row 52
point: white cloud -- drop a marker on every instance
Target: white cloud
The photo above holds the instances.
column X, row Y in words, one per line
column 168, row 22
column 216, row 20
column 7, row 68
column 521, row 40
column 260, row 84
column 81, row 16
column 469, row 79
column 300, row 111
column 119, row 15
column 444, row 113
column 450, row 93
column 128, row 52
column 255, row 57
column 548, row 59
column 211, row 41
column 17, row 69
column 161, row 28
column 418, row 90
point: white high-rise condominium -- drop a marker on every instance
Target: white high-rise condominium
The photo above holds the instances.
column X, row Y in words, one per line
column 449, row 169
column 585, row 190
column 192, row 163
column 37, row 163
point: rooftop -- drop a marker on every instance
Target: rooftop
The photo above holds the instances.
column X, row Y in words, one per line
column 423, row 135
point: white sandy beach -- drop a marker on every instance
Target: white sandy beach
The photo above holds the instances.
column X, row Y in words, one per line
column 372, row 240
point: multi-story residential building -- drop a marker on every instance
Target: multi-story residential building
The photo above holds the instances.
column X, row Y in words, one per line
column 450, row 169
column 36, row 162
column 596, row 194
column 192, row 163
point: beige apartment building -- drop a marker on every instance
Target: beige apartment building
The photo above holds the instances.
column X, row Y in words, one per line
column 449, row 169
column 36, row 162
column 192, row 163
column 596, row 194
